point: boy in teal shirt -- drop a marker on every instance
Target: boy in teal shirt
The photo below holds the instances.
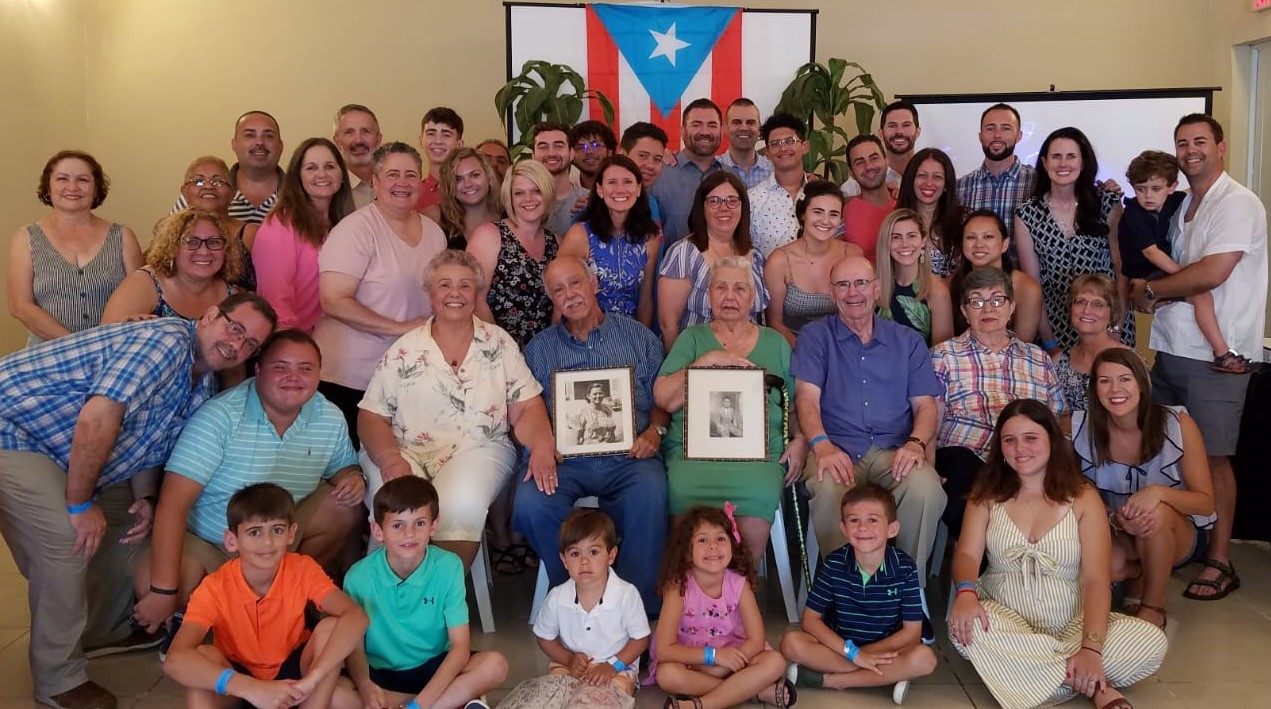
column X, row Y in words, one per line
column 417, row 650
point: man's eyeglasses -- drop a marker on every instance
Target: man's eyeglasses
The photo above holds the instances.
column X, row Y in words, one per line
column 717, row 202
column 589, row 147
column 213, row 243
column 239, row 332
column 996, row 301
column 216, row 181
column 858, row 284
column 783, row 142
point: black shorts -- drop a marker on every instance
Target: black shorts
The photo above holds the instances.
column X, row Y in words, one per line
column 290, row 669
column 410, row 681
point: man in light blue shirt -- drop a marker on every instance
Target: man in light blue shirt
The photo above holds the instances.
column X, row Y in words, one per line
column 274, row 428
column 742, row 121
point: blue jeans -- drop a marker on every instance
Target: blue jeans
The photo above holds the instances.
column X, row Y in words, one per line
column 632, row 492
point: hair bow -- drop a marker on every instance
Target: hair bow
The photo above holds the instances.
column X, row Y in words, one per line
column 729, row 510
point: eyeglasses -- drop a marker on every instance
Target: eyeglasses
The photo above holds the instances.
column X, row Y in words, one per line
column 996, row 301
column 729, row 202
column 213, row 243
column 239, row 332
column 589, row 147
column 216, row 181
column 783, row 142
column 858, row 284
column 1096, row 303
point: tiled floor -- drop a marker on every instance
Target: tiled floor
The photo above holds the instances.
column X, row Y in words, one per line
column 1218, row 655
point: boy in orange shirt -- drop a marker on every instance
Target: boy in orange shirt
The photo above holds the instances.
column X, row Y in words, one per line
column 255, row 605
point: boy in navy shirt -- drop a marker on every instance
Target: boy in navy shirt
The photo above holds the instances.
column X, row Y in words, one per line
column 871, row 591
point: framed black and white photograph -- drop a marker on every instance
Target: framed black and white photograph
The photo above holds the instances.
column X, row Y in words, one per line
column 725, row 414
column 593, row 411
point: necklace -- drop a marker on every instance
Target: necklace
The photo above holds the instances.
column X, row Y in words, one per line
column 1068, row 226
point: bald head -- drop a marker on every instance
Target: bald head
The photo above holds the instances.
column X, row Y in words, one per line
column 854, row 288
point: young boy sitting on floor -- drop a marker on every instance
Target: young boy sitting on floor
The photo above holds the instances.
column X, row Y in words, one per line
column 871, row 590
column 254, row 606
column 418, row 648
column 593, row 626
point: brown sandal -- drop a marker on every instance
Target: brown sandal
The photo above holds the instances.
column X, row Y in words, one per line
column 1226, row 583
column 1232, row 362
column 1157, row 609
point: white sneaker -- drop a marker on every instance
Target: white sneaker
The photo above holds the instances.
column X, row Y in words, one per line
column 901, row 689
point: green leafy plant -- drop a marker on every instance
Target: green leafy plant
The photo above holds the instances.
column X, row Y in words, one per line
column 822, row 93
column 544, row 91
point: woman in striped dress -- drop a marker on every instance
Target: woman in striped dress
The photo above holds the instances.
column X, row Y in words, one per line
column 1037, row 626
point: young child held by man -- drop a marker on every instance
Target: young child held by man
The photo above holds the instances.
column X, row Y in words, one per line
column 1143, row 237
column 254, row 606
column 593, row 626
column 418, row 648
column 871, row 591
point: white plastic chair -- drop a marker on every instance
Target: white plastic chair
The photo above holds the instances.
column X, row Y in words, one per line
column 482, row 580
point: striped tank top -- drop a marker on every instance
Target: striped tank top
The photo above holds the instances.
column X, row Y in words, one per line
column 74, row 296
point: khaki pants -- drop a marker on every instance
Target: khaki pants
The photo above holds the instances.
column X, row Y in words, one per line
column 920, row 501
column 72, row 602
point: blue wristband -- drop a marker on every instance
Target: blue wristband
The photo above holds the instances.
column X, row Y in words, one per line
column 1049, row 345
column 617, row 663
column 812, row 443
column 79, row 509
column 850, row 651
column 965, row 585
column 412, row 704
column 708, row 656
column 222, row 682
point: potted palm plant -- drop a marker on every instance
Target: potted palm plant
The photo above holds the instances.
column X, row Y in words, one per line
column 823, row 93
column 544, row 91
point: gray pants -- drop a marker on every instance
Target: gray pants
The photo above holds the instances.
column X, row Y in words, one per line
column 920, row 501
column 72, row 602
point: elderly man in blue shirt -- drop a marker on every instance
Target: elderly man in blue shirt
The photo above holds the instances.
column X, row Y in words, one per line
column 79, row 417
column 866, row 398
column 632, row 486
column 274, row 427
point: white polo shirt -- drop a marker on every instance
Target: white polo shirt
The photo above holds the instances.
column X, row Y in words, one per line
column 601, row 633
column 1230, row 218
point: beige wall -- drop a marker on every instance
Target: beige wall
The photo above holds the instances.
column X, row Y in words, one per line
column 42, row 78
column 148, row 84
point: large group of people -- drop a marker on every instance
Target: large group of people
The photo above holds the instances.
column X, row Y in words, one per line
column 388, row 328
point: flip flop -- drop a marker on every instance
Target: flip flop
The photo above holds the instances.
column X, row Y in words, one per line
column 1226, row 574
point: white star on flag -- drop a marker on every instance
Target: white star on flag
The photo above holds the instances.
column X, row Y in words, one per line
column 668, row 44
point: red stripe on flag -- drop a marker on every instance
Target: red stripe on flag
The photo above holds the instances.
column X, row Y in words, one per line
column 670, row 124
column 726, row 69
column 602, row 69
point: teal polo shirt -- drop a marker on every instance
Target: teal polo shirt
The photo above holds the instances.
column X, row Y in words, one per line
column 411, row 617
column 229, row 444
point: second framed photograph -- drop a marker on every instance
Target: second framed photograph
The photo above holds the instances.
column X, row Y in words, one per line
column 593, row 411
column 725, row 414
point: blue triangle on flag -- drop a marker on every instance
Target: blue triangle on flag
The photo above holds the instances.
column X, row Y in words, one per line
column 665, row 46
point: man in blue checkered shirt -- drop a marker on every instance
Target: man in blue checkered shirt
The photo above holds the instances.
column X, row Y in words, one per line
column 80, row 416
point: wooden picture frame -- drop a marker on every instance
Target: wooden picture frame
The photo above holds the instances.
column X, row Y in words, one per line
column 725, row 414
column 593, row 411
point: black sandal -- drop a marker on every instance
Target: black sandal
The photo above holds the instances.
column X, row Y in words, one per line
column 783, row 692
column 1226, row 574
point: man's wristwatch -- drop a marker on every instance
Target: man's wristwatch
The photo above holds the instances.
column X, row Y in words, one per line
column 661, row 430
column 1148, row 292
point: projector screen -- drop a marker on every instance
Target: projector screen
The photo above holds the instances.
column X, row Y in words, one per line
column 1120, row 125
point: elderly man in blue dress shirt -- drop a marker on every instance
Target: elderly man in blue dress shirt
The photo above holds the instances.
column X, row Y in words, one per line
column 866, row 396
column 632, row 486
column 79, row 417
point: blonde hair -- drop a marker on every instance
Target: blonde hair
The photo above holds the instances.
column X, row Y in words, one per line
column 533, row 171
column 161, row 256
column 886, row 269
column 204, row 160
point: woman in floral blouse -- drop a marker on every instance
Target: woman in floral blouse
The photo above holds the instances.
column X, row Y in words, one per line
column 442, row 401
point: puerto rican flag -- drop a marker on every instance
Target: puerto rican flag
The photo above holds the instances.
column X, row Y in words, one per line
column 651, row 59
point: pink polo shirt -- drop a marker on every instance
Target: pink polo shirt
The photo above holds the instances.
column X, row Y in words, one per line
column 287, row 274
column 861, row 222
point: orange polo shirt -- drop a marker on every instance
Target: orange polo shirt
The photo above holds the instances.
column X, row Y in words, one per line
column 259, row 632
